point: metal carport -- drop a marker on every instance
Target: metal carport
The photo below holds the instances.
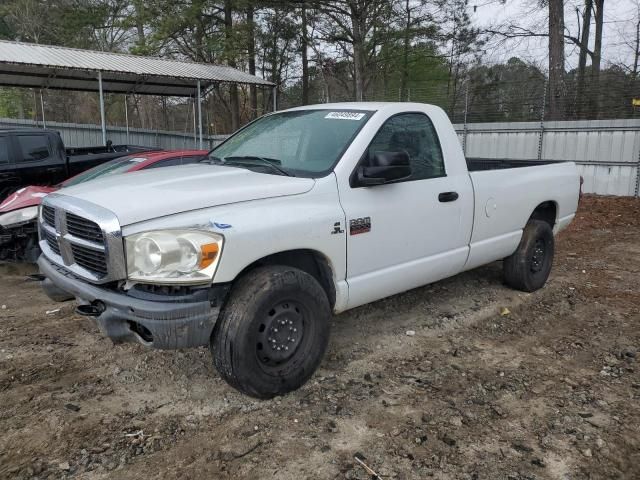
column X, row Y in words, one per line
column 51, row 67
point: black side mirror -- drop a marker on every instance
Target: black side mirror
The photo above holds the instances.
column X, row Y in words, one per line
column 383, row 168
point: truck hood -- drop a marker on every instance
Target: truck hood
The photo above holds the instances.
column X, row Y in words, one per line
column 25, row 197
column 148, row 194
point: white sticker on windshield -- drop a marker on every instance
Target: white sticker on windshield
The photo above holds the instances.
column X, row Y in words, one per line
column 345, row 115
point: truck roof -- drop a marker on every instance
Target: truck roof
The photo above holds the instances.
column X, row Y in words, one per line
column 26, row 130
column 369, row 106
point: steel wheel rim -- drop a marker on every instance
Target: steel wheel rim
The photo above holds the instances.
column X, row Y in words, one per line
column 280, row 334
column 538, row 256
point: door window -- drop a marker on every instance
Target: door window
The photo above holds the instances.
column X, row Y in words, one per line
column 33, row 147
column 415, row 134
column 4, row 150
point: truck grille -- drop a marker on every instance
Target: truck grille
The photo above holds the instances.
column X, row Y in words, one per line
column 91, row 249
column 83, row 228
column 52, row 241
column 92, row 260
column 49, row 215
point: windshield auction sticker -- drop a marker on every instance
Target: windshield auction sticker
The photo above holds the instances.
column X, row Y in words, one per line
column 345, row 115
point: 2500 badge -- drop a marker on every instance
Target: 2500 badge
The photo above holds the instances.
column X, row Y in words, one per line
column 359, row 225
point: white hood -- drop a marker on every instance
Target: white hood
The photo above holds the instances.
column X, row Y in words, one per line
column 149, row 194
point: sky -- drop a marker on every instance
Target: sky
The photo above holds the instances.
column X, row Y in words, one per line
column 619, row 29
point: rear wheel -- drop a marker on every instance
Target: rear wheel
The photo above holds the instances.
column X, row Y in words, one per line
column 530, row 265
column 273, row 331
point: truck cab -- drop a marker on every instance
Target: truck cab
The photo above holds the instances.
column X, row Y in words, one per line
column 30, row 156
column 36, row 156
column 301, row 214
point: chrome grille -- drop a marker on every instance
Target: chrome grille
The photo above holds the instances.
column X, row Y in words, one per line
column 52, row 241
column 83, row 228
column 83, row 238
column 92, row 260
column 49, row 216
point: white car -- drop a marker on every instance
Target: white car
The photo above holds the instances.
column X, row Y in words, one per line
column 300, row 214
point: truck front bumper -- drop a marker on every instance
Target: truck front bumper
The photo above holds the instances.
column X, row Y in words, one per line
column 19, row 242
column 123, row 318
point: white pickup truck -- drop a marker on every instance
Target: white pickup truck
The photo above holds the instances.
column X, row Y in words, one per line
column 301, row 213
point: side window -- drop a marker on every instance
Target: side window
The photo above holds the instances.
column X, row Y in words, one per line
column 415, row 134
column 33, row 147
column 4, row 150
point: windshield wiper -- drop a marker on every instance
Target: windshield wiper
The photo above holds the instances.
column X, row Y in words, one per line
column 212, row 160
column 270, row 162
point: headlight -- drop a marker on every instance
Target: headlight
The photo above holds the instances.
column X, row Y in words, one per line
column 173, row 256
column 19, row 216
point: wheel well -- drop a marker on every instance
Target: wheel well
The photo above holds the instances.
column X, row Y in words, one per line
column 546, row 212
column 309, row 261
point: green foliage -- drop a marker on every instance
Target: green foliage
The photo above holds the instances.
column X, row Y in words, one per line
column 419, row 50
column 510, row 92
column 15, row 103
column 427, row 73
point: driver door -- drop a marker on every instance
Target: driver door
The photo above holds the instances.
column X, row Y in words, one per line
column 409, row 232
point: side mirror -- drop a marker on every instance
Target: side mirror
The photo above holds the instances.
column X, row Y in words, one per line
column 385, row 167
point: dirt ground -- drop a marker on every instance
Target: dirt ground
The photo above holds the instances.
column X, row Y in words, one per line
column 548, row 390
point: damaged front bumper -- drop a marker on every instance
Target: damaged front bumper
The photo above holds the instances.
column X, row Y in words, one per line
column 154, row 320
column 19, row 242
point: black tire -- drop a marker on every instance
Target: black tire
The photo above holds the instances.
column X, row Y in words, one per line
column 530, row 265
column 271, row 308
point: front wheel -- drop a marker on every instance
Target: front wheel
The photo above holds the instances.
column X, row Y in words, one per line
column 273, row 331
column 530, row 265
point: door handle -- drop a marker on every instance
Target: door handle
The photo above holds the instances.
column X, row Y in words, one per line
column 448, row 197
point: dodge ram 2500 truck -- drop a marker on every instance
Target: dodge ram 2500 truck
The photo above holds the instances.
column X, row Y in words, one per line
column 299, row 214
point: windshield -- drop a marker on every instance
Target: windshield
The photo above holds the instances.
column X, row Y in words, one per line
column 112, row 167
column 300, row 143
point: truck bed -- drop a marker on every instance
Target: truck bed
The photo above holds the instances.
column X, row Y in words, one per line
column 481, row 164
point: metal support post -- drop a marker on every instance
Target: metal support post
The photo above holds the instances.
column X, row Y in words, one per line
column 638, row 177
column 275, row 98
column 102, row 116
column 200, row 115
column 466, row 109
column 544, row 104
column 195, row 128
column 44, row 120
column 126, row 116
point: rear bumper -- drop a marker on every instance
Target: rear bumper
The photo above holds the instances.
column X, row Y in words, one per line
column 157, row 324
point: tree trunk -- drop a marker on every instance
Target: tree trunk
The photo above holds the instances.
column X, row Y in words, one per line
column 582, row 63
column 597, row 60
column 138, row 6
column 251, row 53
column 405, row 54
column 305, row 60
column 556, row 60
column 636, row 56
column 358, row 56
column 274, row 55
column 231, row 61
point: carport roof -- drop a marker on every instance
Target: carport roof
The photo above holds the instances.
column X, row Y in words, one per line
column 45, row 66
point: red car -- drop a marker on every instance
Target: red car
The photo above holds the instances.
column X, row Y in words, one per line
column 19, row 211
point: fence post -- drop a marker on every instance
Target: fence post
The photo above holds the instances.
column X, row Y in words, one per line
column 638, row 175
column 465, row 131
column 544, row 104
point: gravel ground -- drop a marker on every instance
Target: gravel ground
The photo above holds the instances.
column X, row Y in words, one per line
column 463, row 379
